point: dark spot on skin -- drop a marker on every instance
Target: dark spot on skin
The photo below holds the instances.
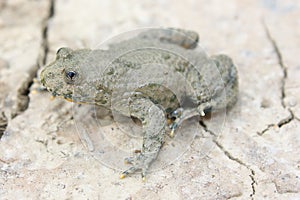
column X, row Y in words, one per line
column 173, row 98
column 54, row 93
column 43, row 81
column 111, row 71
column 166, row 56
column 207, row 110
column 155, row 101
column 217, row 62
column 169, row 110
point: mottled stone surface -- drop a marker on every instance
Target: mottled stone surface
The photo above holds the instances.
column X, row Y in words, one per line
column 256, row 153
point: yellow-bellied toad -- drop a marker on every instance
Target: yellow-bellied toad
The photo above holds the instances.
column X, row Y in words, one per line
column 143, row 63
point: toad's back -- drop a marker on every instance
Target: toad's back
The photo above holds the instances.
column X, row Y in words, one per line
column 171, row 75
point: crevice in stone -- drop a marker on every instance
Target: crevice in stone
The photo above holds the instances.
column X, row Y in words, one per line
column 22, row 101
column 45, row 43
column 231, row 157
column 280, row 62
column 206, row 129
column 286, row 120
column 280, row 124
column 220, row 146
column 3, row 123
column 253, row 183
column 291, row 117
column 23, row 92
column 265, row 130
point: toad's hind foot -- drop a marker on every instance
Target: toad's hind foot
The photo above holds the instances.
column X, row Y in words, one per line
column 180, row 115
column 141, row 162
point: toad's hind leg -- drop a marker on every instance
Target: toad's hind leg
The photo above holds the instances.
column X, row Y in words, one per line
column 153, row 121
column 184, row 38
column 226, row 96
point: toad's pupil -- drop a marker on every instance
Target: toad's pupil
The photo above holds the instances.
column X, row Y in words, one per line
column 71, row 74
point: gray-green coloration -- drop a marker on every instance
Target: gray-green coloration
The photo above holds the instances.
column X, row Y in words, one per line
column 156, row 75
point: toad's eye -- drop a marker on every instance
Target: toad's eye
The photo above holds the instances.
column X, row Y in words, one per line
column 70, row 76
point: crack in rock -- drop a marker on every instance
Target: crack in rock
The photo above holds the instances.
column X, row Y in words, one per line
column 286, row 120
column 280, row 62
column 228, row 155
column 45, row 43
column 291, row 117
column 23, row 92
column 280, row 124
column 3, row 123
column 22, row 101
column 253, row 183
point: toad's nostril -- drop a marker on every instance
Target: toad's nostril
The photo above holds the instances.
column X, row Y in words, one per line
column 43, row 81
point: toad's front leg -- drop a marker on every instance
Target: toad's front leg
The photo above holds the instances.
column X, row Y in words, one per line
column 153, row 121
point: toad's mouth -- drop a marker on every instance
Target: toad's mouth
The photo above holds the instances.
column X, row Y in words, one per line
column 68, row 98
column 68, row 95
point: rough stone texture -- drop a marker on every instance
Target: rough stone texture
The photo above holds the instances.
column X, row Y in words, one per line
column 256, row 155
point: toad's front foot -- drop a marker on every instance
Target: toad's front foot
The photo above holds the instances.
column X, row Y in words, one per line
column 140, row 162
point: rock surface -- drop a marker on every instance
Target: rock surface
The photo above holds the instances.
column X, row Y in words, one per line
column 255, row 154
